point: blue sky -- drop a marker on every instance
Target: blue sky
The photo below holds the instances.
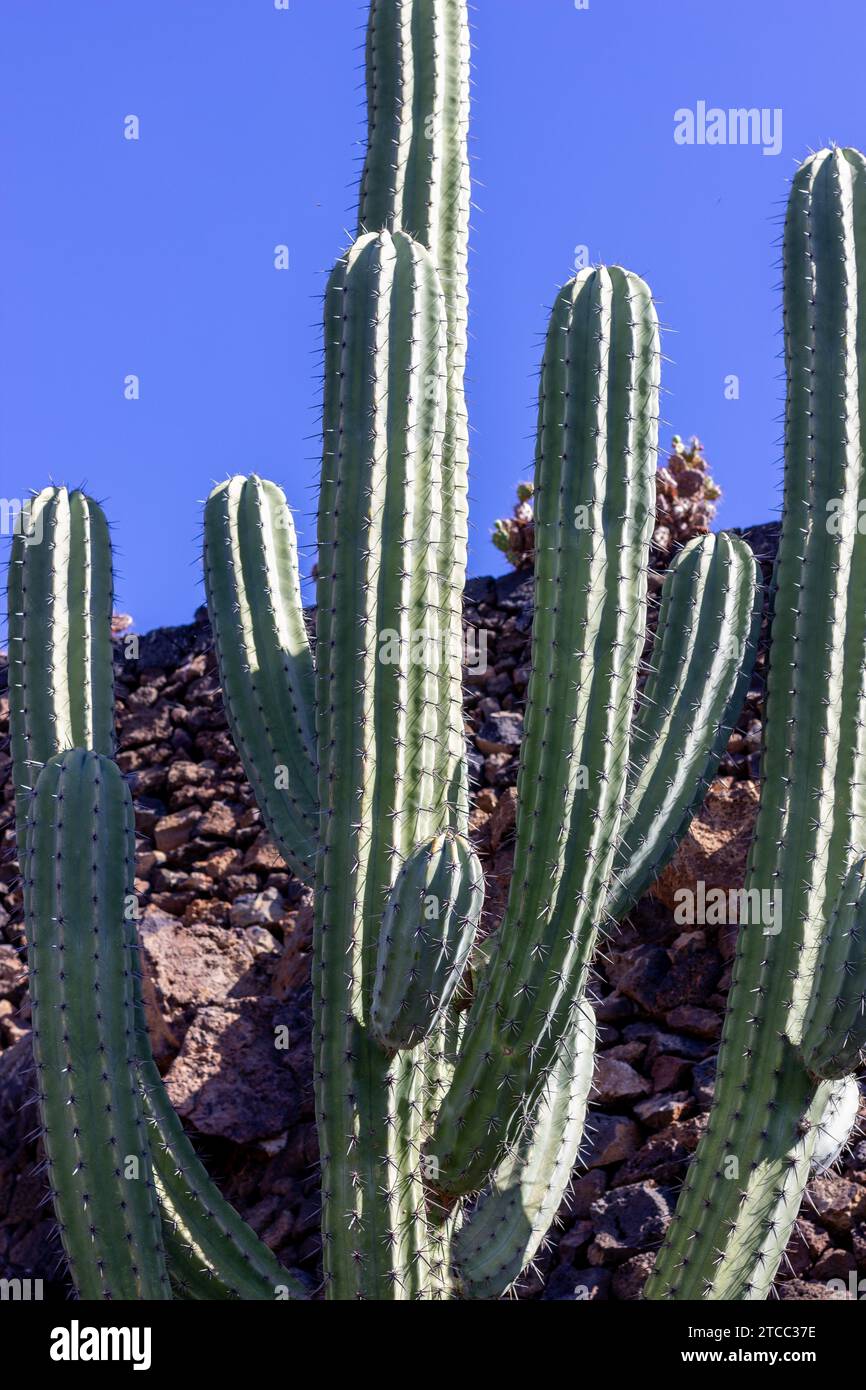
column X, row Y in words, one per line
column 155, row 257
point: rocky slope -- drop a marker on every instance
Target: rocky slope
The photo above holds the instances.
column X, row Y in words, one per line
column 226, row 936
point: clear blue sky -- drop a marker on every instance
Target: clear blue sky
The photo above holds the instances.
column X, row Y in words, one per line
column 155, row 257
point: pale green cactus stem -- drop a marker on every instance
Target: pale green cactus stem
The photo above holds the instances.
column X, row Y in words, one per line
column 834, row 1029
column 381, row 488
column 60, row 594
column 81, row 973
column 785, row 1031
column 416, row 179
column 516, row 1210
column 266, row 668
column 595, row 471
column 701, row 664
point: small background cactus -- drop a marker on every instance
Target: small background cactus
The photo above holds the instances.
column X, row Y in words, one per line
column 687, row 498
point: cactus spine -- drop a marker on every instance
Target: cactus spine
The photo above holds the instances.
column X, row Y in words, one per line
column 796, row 999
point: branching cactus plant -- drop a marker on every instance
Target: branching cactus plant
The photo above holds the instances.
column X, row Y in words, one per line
column 452, row 1075
column 786, row 1097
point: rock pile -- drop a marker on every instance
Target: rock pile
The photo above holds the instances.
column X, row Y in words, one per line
column 226, row 935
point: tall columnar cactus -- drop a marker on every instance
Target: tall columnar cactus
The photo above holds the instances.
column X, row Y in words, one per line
column 416, row 179
column 357, row 756
column 795, row 1025
column 62, row 717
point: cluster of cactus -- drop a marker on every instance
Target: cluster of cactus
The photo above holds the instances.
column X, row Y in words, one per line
column 686, row 502
column 451, row 1077
column 515, row 535
column 686, row 499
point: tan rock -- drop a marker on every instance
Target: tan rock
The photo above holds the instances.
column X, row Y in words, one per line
column 503, row 819
column 186, row 968
column 177, row 829
column 716, row 845
column 293, row 969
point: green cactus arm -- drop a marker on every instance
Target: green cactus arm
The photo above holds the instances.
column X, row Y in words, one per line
column 265, row 664
column 381, row 491
column 208, row 1234
column 60, row 593
column 834, row 1030
column 191, row 1276
column 702, row 661
column 728, row 1235
column 427, row 932
column 81, row 979
column 416, row 178
column 595, row 468
column 501, row 1235
column 208, row 1245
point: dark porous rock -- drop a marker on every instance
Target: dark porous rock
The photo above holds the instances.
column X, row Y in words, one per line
column 688, row 1018
column 660, row 980
column 704, row 1082
column 171, row 647
column 615, row 1008
column 628, row 1220
column 585, row 1190
column 659, row 1111
column 630, row 1277
column 611, row 1138
column 29, row 1248
column 13, row 974
column 577, row 1285
column 664, row 1156
column 807, row 1291
column 573, row 1241
column 615, row 1080
column 186, row 968
column 838, row 1204
column 500, row 733
column 834, row 1264
column 670, row 1073
column 244, row 1071
column 660, row 1042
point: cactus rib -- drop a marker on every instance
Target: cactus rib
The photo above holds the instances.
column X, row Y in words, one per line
column 503, row 1232
column 266, row 668
column 834, row 1030
column 60, row 663
column 427, row 932
column 81, row 974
